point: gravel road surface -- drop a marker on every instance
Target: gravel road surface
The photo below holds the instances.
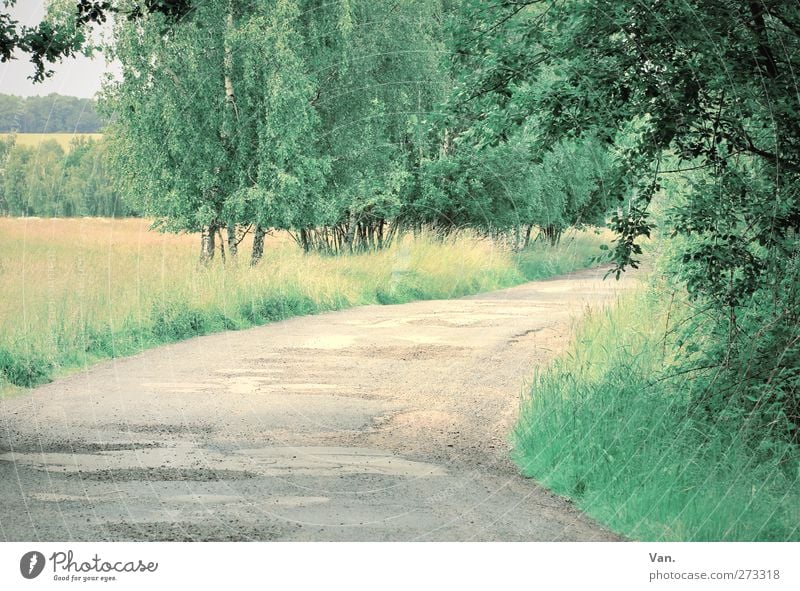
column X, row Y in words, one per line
column 374, row 423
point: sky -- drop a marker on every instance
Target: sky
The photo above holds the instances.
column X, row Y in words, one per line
column 79, row 76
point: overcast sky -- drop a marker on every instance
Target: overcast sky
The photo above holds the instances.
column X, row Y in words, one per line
column 78, row 76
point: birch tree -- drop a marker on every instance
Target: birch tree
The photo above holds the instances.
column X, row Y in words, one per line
column 213, row 123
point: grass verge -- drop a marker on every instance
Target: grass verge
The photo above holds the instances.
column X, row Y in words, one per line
column 611, row 426
column 79, row 290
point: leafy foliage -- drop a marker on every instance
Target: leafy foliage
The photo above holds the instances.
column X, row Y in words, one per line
column 295, row 115
column 706, row 84
column 65, row 31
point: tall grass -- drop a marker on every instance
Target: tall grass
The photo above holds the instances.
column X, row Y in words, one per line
column 611, row 425
column 77, row 290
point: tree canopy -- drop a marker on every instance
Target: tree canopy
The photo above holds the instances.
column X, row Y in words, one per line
column 296, row 115
column 703, row 90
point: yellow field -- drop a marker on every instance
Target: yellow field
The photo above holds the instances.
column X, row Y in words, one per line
column 31, row 140
column 75, row 290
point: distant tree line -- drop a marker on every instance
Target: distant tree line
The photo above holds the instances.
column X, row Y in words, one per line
column 53, row 113
column 48, row 181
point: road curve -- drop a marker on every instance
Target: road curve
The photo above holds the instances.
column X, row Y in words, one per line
column 374, row 423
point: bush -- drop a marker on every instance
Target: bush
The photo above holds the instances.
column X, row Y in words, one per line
column 25, row 370
column 175, row 321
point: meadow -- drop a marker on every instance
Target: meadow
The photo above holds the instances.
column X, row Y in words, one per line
column 33, row 140
column 78, row 290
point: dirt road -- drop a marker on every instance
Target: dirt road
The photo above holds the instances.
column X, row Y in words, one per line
column 375, row 423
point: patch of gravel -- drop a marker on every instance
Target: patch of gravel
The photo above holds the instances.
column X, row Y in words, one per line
column 162, row 474
column 161, row 531
column 76, row 447
column 165, row 428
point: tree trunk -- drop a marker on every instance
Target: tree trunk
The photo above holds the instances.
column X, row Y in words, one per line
column 552, row 233
column 304, row 240
column 221, row 245
column 757, row 10
column 258, row 245
column 230, row 99
column 528, row 236
column 233, row 247
column 351, row 230
column 207, row 245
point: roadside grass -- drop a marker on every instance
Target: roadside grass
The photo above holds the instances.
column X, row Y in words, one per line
column 575, row 250
column 79, row 290
column 606, row 426
column 33, row 140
